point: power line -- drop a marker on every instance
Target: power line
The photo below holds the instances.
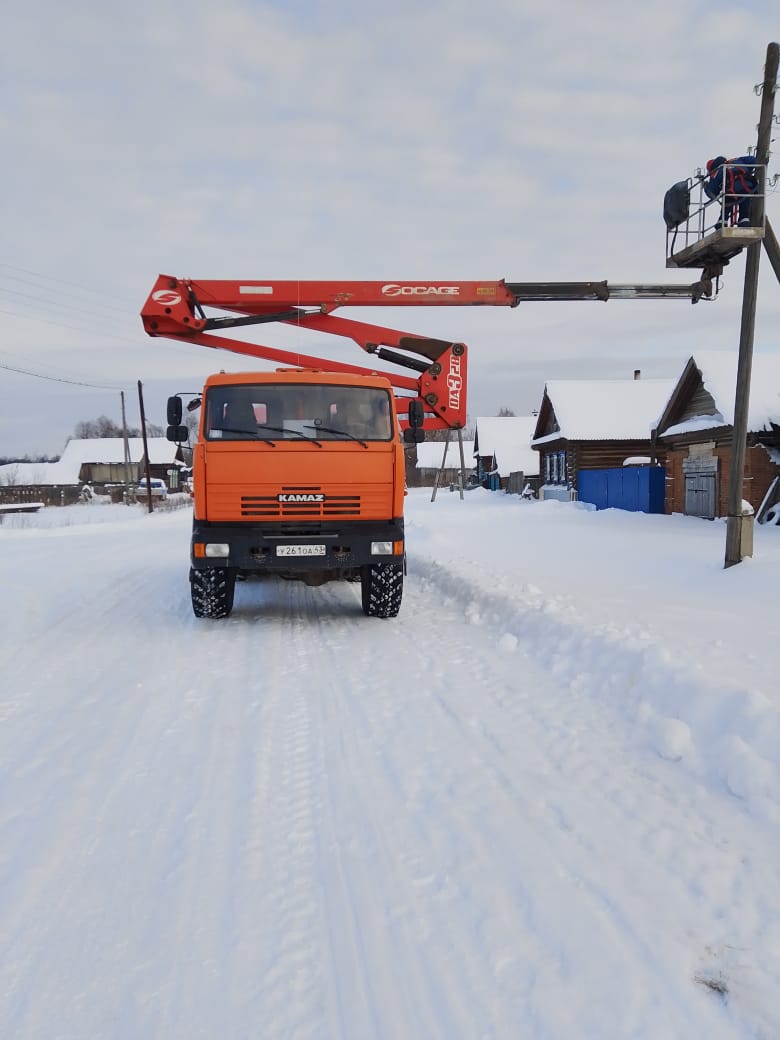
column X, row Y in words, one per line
column 60, row 379
column 60, row 281
column 49, row 303
column 82, row 307
column 45, row 294
column 64, row 325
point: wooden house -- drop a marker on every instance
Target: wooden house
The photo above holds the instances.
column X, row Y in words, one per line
column 695, row 434
column 97, row 461
column 600, row 424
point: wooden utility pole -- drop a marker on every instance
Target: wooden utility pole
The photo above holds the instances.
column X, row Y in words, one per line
column 772, row 248
column 735, row 519
column 149, row 505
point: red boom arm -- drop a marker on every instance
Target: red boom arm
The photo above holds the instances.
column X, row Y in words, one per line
column 175, row 309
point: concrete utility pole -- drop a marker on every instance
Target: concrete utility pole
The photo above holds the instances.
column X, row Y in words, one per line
column 735, row 519
column 127, row 450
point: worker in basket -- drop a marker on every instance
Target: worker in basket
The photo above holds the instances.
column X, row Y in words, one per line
column 737, row 180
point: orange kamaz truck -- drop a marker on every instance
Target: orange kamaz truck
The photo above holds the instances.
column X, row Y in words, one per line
column 299, row 471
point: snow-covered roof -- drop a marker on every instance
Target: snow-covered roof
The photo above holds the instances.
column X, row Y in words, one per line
column 719, row 375
column 25, row 473
column 607, row 409
column 89, row 450
column 507, row 438
column 112, row 449
column 429, row 454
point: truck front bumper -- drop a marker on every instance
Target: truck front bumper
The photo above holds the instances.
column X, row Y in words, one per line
column 257, row 548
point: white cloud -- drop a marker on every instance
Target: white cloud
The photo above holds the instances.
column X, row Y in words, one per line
column 345, row 140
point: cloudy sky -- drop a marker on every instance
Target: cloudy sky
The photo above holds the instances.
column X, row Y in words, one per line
column 313, row 140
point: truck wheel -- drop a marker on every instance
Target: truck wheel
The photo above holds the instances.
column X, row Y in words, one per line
column 381, row 586
column 212, row 592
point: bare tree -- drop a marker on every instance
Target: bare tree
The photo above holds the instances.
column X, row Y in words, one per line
column 105, row 427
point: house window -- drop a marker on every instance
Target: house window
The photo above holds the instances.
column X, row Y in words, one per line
column 555, row 467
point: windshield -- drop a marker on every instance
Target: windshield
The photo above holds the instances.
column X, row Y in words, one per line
column 303, row 411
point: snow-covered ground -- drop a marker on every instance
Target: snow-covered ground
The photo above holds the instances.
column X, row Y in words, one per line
column 543, row 802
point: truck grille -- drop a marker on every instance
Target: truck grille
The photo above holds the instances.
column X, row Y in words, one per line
column 269, row 507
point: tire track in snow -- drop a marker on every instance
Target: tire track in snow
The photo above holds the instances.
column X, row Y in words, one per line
column 436, row 975
column 443, row 906
column 378, row 973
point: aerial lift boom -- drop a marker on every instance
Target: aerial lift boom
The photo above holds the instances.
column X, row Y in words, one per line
column 176, row 309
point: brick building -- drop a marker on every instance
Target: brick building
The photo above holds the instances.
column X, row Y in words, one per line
column 695, row 433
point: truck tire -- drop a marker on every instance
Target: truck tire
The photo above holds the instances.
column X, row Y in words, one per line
column 381, row 586
column 212, row 592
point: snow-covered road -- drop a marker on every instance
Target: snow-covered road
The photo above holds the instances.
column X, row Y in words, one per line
column 477, row 820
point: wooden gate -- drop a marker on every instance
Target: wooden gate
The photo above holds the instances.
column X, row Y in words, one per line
column 700, row 495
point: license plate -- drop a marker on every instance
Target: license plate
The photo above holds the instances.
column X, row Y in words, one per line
column 300, row 550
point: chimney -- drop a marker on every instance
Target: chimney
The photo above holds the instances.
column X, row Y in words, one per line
column 637, row 373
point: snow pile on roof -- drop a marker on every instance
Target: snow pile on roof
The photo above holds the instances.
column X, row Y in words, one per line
column 507, row 439
column 607, row 409
column 719, row 375
column 88, row 450
column 430, row 453
column 697, row 423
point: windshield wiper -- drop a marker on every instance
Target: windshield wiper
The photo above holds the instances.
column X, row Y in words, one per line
column 343, row 433
column 246, row 433
column 276, row 429
column 286, row 430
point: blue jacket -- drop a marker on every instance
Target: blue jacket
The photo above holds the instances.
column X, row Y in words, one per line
column 741, row 178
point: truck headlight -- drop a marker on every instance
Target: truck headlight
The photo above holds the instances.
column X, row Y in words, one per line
column 219, row 549
column 381, row 548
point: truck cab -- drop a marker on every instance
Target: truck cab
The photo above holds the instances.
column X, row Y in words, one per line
column 298, row 473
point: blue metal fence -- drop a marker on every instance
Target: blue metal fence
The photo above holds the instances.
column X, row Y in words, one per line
column 639, row 489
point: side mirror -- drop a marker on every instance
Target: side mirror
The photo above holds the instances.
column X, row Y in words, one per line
column 413, row 436
column 175, row 433
column 174, row 412
column 416, row 413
